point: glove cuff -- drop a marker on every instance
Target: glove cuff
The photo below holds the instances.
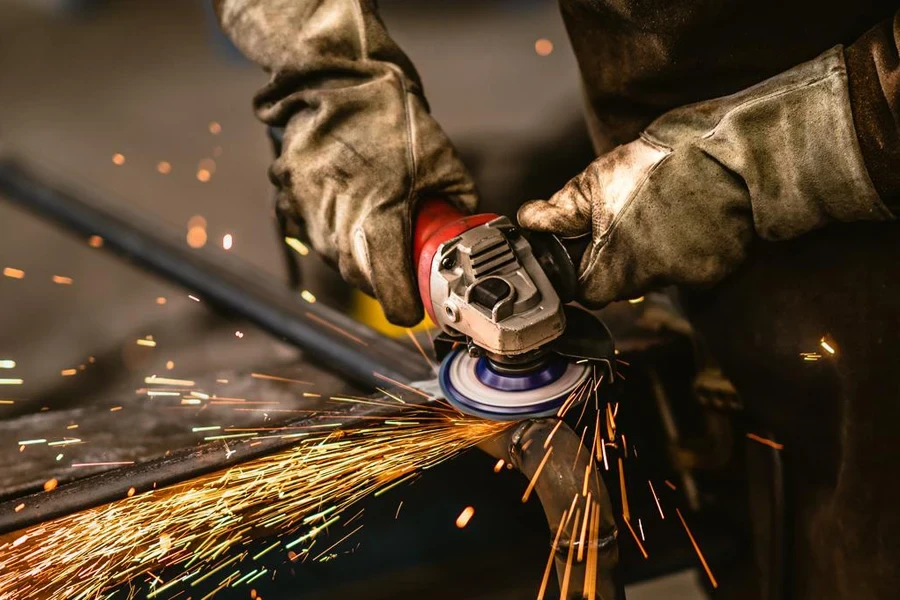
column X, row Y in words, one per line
column 792, row 141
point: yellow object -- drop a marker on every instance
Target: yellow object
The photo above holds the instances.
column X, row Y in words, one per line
column 366, row 310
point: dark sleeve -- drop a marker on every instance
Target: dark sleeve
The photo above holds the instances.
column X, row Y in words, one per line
column 873, row 69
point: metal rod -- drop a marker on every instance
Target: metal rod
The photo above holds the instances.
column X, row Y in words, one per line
column 221, row 279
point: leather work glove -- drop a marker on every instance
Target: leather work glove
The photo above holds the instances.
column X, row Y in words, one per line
column 683, row 202
column 360, row 146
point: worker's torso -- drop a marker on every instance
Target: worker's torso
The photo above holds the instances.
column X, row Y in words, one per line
column 640, row 58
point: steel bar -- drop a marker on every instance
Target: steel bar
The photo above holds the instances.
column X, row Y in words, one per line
column 221, row 279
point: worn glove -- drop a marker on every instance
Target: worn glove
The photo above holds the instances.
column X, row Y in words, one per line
column 360, row 146
column 682, row 203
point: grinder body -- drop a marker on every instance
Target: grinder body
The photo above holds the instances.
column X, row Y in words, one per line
column 498, row 296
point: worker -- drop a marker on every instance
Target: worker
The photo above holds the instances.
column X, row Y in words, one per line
column 748, row 152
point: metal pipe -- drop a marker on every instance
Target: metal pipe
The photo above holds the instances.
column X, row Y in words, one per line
column 220, row 278
column 561, row 481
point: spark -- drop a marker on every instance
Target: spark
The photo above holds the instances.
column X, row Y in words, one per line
column 464, row 517
column 61, row 280
column 197, row 221
column 498, row 466
column 537, row 473
column 50, row 485
column 625, row 510
column 14, row 273
column 7, row 401
column 564, row 586
column 641, row 529
column 73, row 426
column 543, row 47
column 115, row 409
column 553, row 548
column 227, row 241
column 146, row 342
column 239, row 334
column 399, row 506
column 154, row 380
column 118, row 159
column 634, row 535
column 298, row 246
column 671, row 485
column 19, row 507
column 308, row 296
column 215, row 128
column 160, row 300
column 277, row 378
column 104, row 464
column 30, row 442
column 827, row 346
column 209, row 428
column 170, row 364
column 95, row 241
column 765, row 441
column 332, row 326
column 637, row 300
column 584, row 526
column 712, row 579
column 552, row 433
column 655, row 497
column 164, row 167
column 203, row 176
column 88, row 553
column 7, row 364
column 65, row 442
column 196, row 237
column 194, row 298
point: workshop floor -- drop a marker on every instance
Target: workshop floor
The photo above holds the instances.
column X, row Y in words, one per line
column 146, row 80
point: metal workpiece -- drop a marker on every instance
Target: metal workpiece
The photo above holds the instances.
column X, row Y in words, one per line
column 221, row 279
column 562, row 479
column 487, row 285
column 175, row 467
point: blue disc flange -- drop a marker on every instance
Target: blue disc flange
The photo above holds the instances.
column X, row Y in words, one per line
column 475, row 389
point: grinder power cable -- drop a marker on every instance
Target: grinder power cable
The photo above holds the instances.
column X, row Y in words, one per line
column 510, row 346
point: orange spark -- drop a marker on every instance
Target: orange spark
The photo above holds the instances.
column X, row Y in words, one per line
column 543, row 47
column 712, row 579
column 464, row 517
column 765, row 441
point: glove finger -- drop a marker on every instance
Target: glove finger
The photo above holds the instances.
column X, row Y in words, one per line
column 382, row 248
column 561, row 215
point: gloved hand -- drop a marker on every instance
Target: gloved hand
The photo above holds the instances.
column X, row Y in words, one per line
column 682, row 203
column 360, row 147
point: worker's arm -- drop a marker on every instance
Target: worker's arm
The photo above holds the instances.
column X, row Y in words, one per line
column 815, row 145
column 360, row 146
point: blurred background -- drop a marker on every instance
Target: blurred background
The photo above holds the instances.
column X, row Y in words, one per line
column 145, row 104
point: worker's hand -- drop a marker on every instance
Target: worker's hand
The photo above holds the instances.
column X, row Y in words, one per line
column 681, row 204
column 360, row 147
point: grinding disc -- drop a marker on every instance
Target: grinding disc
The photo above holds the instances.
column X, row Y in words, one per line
column 471, row 386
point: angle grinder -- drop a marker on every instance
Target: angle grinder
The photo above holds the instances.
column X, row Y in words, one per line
column 510, row 346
